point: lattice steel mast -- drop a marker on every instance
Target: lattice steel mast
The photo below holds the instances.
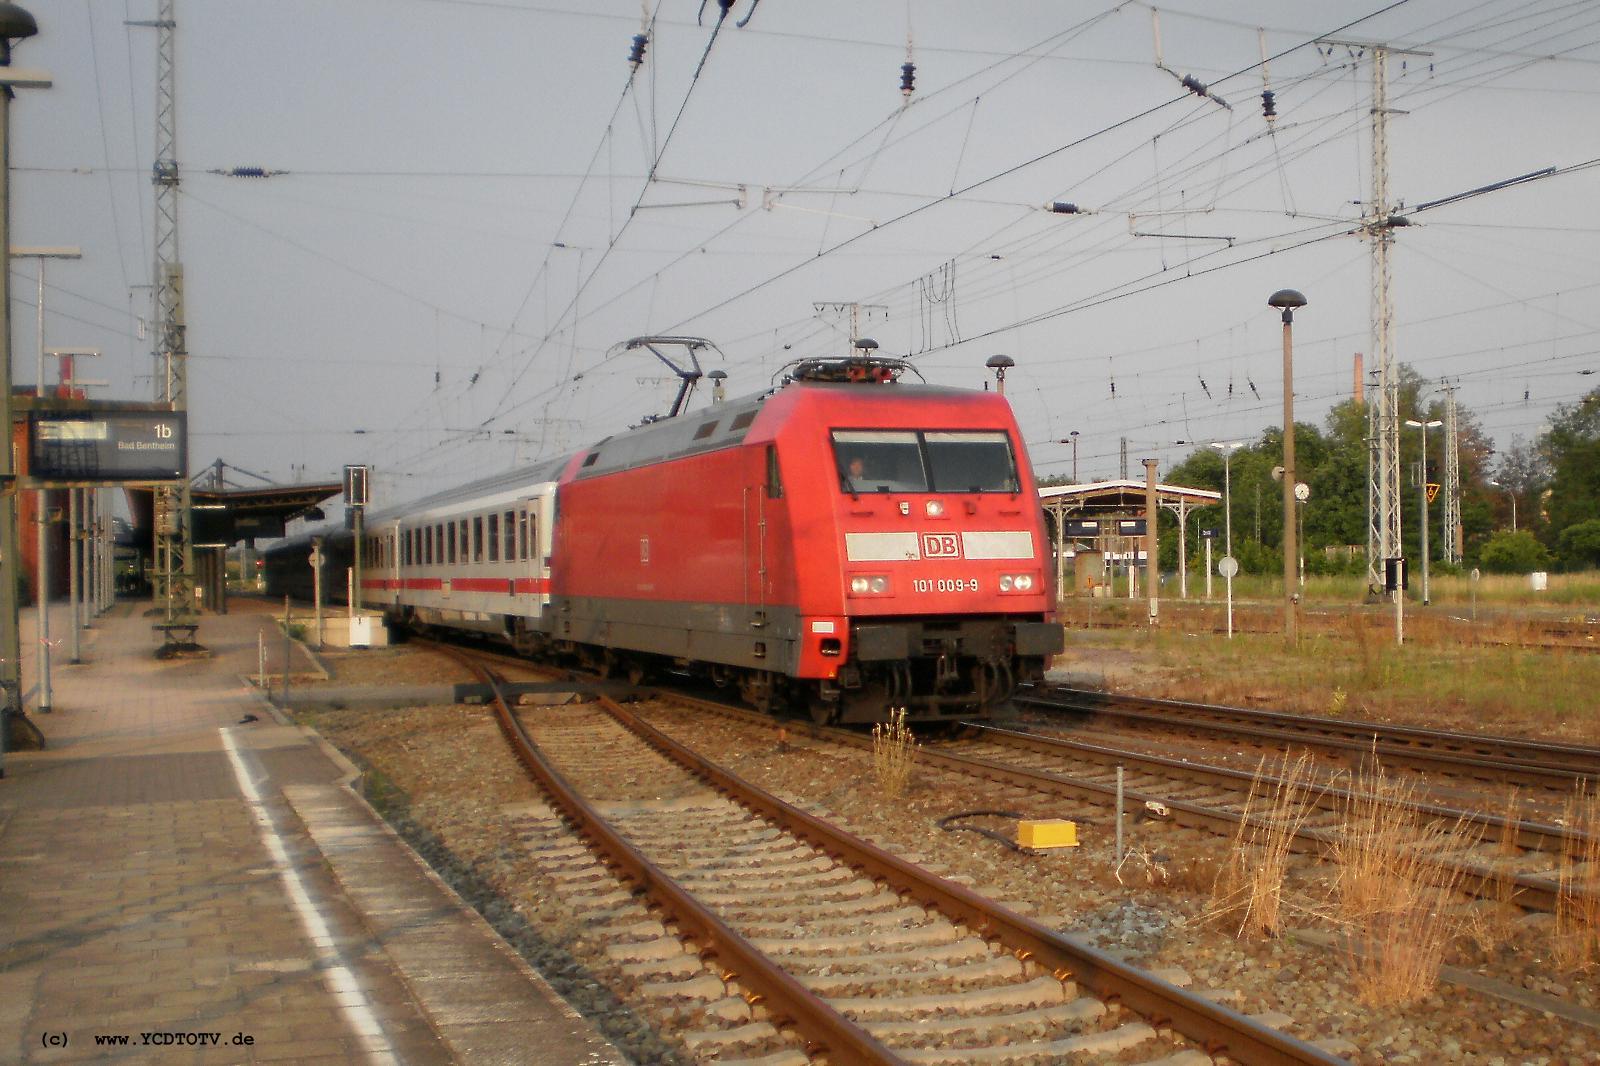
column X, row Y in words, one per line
column 1383, row 416
column 174, row 554
column 1452, row 479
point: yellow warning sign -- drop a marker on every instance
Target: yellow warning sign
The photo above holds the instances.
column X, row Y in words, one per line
column 1433, row 490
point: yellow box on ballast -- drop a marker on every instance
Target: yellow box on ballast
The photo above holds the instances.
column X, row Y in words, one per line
column 1040, row 833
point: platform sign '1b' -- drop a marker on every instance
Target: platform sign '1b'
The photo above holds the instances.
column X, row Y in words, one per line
column 98, row 446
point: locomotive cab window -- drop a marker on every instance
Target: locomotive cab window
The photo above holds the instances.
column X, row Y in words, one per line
column 879, row 461
column 971, row 462
column 928, row 461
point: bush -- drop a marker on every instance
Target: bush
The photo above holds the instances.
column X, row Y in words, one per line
column 1579, row 544
column 1514, row 553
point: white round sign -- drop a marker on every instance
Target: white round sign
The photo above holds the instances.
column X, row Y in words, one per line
column 1227, row 566
column 1302, row 491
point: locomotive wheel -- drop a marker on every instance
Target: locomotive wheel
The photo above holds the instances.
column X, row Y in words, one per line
column 824, row 712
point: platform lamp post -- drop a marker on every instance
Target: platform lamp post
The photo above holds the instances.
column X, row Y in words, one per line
column 1422, row 496
column 1229, row 565
column 1000, row 364
column 1072, row 439
column 1512, row 496
column 1286, row 300
column 15, row 25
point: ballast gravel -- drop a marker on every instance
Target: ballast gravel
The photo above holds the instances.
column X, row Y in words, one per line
column 444, row 777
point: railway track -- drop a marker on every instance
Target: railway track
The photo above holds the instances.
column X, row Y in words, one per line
column 1532, row 766
column 778, row 938
column 1514, row 861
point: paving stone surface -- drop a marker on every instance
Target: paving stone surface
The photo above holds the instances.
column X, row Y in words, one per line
column 144, row 897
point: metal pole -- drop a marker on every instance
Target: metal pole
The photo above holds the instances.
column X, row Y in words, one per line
column 41, row 596
column 10, row 641
column 1290, row 599
column 1422, row 505
column 316, row 589
column 1151, row 552
column 355, row 589
column 288, row 650
column 1208, row 568
column 41, row 587
column 1119, row 812
column 74, row 545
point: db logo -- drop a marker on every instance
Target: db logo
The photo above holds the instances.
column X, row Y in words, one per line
column 941, row 546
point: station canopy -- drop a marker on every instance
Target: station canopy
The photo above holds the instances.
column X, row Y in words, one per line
column 1121, row 498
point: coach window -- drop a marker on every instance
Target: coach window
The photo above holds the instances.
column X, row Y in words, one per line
column 477, row 538
column 450, row 542
column 494, row 538
column 509, row 531
column 522, row 534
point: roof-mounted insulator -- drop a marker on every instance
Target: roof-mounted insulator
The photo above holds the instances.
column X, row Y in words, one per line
column 1061, row 207
column 636, row 57
column 908, row 79
column 1269, row 106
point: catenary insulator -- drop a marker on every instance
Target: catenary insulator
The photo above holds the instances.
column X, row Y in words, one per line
column 1061, row 207
column 908, row 78
column 636, row 56
column 1269, row 106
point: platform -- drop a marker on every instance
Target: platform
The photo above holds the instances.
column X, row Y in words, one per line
column 181, row 883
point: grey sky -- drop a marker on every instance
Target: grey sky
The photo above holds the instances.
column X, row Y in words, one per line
column 432, row 150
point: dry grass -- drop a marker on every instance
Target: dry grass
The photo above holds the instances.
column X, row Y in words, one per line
column 1577, row 925
column 1249, row 887
column 1399, row 908
column 894, row 753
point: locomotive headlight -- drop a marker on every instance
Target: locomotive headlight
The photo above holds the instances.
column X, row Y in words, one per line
column 935, row 509
column 875, row 585
column 880, row 584
column 1017, row 582
column 860, row 585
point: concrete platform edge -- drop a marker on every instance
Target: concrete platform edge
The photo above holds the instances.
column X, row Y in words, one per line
column 347, row 785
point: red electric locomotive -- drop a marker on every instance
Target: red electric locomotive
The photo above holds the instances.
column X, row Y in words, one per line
column 845, row 543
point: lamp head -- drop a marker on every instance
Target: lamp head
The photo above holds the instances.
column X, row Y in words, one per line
column 1000, row 362
column 1286, row 300
column 16, row 23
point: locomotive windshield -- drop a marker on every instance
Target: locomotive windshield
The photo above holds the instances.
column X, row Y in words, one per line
column 930, row 461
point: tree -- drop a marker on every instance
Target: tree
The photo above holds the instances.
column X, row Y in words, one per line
column 1514, row 553
column 1571, row 447
column 1580, row 544
column 1521, row 474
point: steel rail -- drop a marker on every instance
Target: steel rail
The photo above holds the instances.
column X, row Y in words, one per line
column 1216, row 1028
column 1531, row 893
column 818, row 1022
column 1504, row 760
